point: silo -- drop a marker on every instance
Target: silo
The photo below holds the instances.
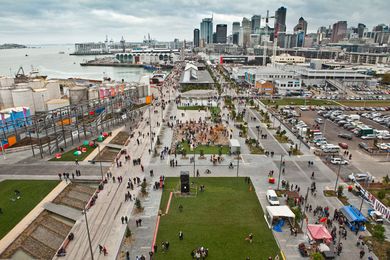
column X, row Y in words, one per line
column 57, row 103
column 6, row 97
column 78, row 94
column 140, row 90
column 40, row 96
column 93, row 93
column 23, row 98
column 6, row 81
column 53, row 88
column 22, row 86
column 36, row 83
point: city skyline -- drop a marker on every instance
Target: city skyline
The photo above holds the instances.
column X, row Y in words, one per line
column 45, row 22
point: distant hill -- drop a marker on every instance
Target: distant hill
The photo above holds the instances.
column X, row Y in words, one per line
column 12, row 46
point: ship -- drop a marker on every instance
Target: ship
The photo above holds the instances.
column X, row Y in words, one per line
column 21, row 77
column 157, row 79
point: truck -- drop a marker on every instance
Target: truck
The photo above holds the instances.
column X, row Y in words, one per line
column 354, row 117
column 363, row 131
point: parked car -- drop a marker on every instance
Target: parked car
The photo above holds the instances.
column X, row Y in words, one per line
column 363, row 146
column 339, row 161
column 343, row 145
column 345, row 136
column 272, row 198
column 360, row 177
column 367, row 137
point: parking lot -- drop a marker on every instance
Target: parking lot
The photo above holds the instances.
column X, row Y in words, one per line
column 361, row 160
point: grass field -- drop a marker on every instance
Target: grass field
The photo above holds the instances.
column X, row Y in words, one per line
column 191, row 107
column 207, row 149
column 218, row 219
column 32, row 192
column 299, row 102
column 68, row 156
column 367, row 103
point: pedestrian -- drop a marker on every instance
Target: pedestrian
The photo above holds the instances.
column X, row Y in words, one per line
column 150, row 254
column 76, row 161
column 362, row 253
column 123, row 219
column 59, row 175
column 181, row 235
column 127, row 255
column 72, row 175
column 312, row 175
column 105, row 252
column 136, row 222
column 126, row 219
column 140, row 222
column 100, row 249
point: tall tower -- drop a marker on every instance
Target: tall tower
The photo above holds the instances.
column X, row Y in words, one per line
column 280, row 25
column 339, row 31
column 206, row 30
column 123, row 44
column 196, row 38
column 221, row 33
column 255, row 28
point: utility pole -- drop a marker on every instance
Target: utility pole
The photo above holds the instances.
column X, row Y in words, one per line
column 89, row 235
column 150, row 129
column 100, row 162
column 238, row 161
column 194, row 158
column 338, row 176
column 304, row 209
column 280, row 169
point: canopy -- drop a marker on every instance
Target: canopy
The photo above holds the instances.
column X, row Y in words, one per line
column 280, row 211
column 352, row 214
column 234, row 143
column 318, row 232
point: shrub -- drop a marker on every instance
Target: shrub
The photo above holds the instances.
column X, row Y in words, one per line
column 128, row 232
column 138, row 204
column 340, row 189
column 379, row 233
column 143, row 187
column 317, row 256
column 381, row 194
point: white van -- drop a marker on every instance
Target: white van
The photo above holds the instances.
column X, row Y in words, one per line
column 330, row 148
column 272, row 198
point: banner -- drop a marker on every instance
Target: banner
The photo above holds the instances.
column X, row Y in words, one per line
column 376, row 204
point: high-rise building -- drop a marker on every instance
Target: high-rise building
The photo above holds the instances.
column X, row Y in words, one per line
column 301, row 26
column 206, row 30
column 246, row 32
column 236, row 27
column 280, row 25
column 255, row 26
column 236, row 38
column 339, row 31
column 196, row 38
column 360, row 30
column 221, row 33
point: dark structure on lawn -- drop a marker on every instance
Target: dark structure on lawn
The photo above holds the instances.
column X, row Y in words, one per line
column 185, row 182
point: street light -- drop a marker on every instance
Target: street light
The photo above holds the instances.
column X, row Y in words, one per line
column 280, row 169
column 338, row 175
column 258, row 132
column 193, row 148
column 100, row 162
column 84, row 212
column 238, row 161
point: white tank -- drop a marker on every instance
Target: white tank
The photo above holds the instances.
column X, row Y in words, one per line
column 53, row 88
column 6, row 97
column 57, row 103
column 6, row 81
column 36, row 83
column 22, row 86
column 40, row 97
column 77, row 94
column 93, row 93
column 23, row 98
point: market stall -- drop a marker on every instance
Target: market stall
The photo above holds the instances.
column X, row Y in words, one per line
column 354, row 218
column 276, row 213
column 318, row 233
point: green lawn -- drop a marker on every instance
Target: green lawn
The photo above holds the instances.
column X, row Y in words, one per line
column 68, row 156
column 218, row 219
column 32, row 192
column 207, row 149
column 191, row 107
column 299, row 102
column 367, row 103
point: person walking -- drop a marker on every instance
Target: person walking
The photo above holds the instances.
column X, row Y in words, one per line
column 123, row 219
column 76, row 161
column 181, row 235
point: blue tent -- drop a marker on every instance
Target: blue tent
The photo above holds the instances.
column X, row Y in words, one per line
column 355, row 218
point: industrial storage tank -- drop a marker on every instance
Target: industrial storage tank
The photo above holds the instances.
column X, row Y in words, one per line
column 22, row 86
column 93, row 93
column 78, row 94
column 6, row 97
column 23, row 98
column 6, row 81
column 40, row 97
column 36, row 83
column 53, row 88
column 57, row 103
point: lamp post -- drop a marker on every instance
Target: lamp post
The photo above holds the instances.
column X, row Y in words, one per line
column 84, row 212
column 238, row 161
column 258, row 132
column 100, row 162
column 338, row 175
column 150, row 129
column 193, row 148
column 280, row 169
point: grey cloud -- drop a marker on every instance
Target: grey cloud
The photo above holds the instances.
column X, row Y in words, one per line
column 54, row 21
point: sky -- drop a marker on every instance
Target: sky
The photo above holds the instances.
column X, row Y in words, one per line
column 71, row 21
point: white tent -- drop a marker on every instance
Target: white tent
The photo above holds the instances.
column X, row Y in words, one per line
column 234, row 145
column 274, row 212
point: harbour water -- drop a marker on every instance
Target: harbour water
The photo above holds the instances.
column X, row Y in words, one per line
column 49, row 61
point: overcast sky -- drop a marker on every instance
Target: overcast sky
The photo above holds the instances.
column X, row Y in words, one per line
column 70, row 21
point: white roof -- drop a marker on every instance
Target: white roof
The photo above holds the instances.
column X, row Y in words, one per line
column 234, row 143
column 280, row 211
